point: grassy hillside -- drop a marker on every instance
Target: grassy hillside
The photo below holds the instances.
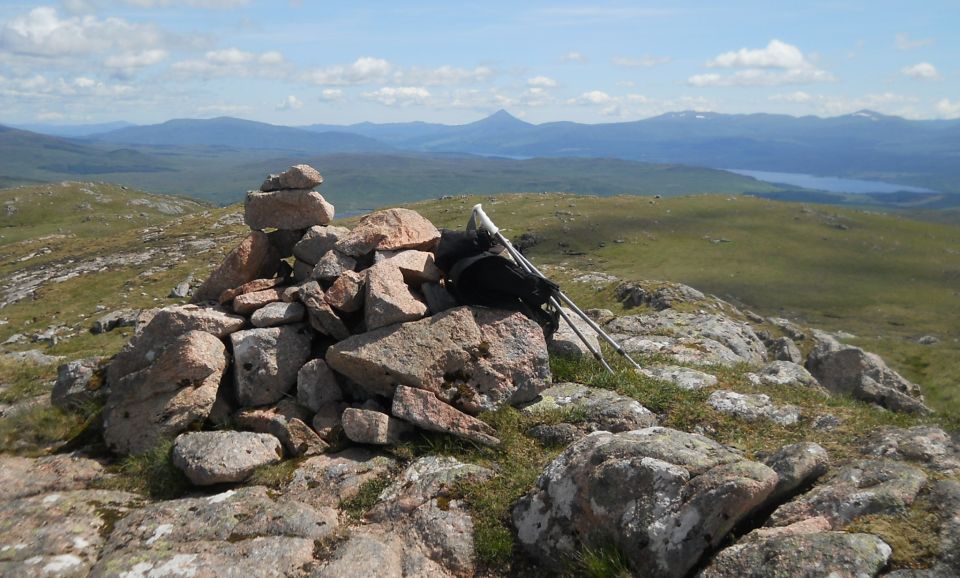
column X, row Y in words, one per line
column 885, row 279
column 92, row 248
column 82, row 210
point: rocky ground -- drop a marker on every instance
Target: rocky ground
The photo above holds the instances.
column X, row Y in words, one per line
column 340, row 419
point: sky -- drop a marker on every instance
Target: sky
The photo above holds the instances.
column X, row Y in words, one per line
column 299, row 62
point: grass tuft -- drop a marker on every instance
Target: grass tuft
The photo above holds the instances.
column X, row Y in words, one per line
column 605, row 562
column 34, row 431
column 357, row 507
column 274, row 475
column 152, row 474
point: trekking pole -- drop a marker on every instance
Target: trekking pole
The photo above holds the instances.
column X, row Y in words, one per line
column 485, row 223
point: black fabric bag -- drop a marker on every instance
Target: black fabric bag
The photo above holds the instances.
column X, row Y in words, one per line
column 477, row 275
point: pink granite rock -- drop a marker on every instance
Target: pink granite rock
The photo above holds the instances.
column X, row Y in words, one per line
column 249, row 302
column 389, row 230
column 417, row 266
column 423, row 409
column 174, row 392
column 254, row 258
column 296, row 177
column 346, row 293
column 475, row 358
column 372, row 427
column 286, row 209
column 388, row 298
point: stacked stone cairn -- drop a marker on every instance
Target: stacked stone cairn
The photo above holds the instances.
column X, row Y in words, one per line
column 307, row 332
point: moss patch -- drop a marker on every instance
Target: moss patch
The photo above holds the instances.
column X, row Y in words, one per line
column 913, row 535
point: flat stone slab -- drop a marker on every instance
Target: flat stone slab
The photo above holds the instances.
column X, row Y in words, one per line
column 600, row 409
column 423, row 480
column 737, row 337
column 328, row 479
column 753, row 406
column 817, row 554
column 783, row 373
column 23, row 477
column 682, row 377
column 926, row 445
column 60, row 533
column 242, row 532
column 860, row 488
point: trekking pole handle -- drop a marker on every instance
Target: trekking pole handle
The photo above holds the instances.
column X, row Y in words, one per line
column 484, row 220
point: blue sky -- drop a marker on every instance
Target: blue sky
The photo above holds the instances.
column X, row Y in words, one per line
column 303, row 62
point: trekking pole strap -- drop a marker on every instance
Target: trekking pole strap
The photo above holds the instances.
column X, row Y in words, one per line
column 484, row 221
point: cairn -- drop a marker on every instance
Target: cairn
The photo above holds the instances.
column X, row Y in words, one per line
column 311, row 332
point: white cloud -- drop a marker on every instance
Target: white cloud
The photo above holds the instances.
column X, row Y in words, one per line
column 645, row 61
column 215, row 4
column 542, row 82
column 777, row 64
column 609, row 105
column 399, row 95
column 922, row 71
column 444, row 75
column 777, row 54
column 331, row 95
column 290, row 103
column 535, row 96
column 948, row 109
column 83, row 6
column 127, row 64
column 364, row 70
column 39, row 87
column 797, row 97
column 904, row 42
column 758, row 77
column 634, row 105
column 136, row 59
column 42, row 33
column 574, row 56
column 233, row 62
column 592, row 97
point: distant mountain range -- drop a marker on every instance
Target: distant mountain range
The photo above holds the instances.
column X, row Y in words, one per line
column 864, row 145
column 73, row 130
